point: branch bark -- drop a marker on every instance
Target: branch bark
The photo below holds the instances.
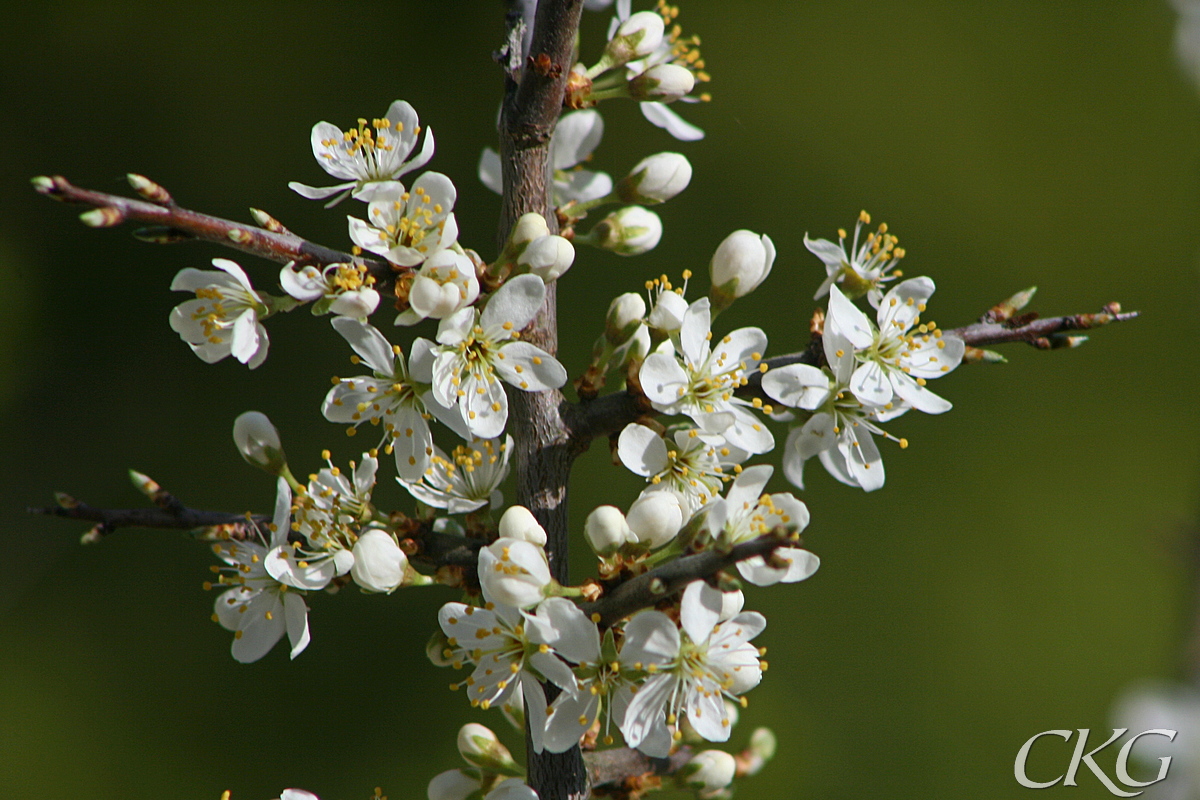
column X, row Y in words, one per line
column 534, row 86
column 173, row 223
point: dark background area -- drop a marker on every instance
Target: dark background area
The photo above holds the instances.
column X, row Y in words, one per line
column 1023, row 563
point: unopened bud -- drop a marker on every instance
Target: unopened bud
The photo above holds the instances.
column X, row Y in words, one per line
column 664, row 83
column 453, row 784
column 655, row 179
column 625, row 315
column 655, row 518
column 638, row 36
column 258, row 442
column 518, row 522
column 710, row 771
column 606, row 530
column 105, row 217
column 667, row 314
column 379, row 563
column 529, row 227
column 149, row 189
column 762, row 743
column 628, row 231
column 438, row 650
column 481, row 748
column 742, row 262
column 548, row 257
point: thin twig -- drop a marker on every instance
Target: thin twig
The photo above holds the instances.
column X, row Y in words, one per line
column 174, row 223
column 661, row 582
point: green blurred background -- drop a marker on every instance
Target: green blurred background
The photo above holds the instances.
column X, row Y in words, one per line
column 1026, row 559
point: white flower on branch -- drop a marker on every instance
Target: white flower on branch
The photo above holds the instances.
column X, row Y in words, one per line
column 258, row 608
column 328, row 514
column 709, row 772
column 342, row 289
column 508, row 661
column 841, row 426
column 476, row 350
column 890, row 361
column 693, row 673
column 741, row 262
column 746, row 513
column 445, row 283
column 685, row 464
column 629, row 231
column 408, row 226
column 396, row 396
column 858, row 268
column 379, row 563
column 701, row 380
column 223, row 320
column 514, row 572
column 465, row 480
column 576, row 135
column 366, row 156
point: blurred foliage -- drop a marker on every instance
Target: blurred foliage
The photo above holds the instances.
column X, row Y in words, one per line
column 1023, row 562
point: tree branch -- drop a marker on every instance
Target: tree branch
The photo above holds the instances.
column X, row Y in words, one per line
column 172, row 223
column 652, row 587
column 614, row 767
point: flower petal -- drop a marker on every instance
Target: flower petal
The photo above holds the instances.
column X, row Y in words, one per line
column 529, row 368
column 517, row 302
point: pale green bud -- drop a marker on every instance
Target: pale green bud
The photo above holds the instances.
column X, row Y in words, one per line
column 258, row 442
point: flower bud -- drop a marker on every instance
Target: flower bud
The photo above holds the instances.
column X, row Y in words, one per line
column 628, row 231
column 518, row 522
column 356, row 304
column 379, row 563
column 529, row 227
column 445, row 283
column 638, row 36
column 514, row 573
column 710, row 771
column 453, row 784
column 606, row 530
column 668, row 311
column 548, row 257
column 655, row 518
column 664, row 83
column 762, row 743
column 739, row 265
column 438, row 650
column 624, row 318
column 481, row 748
column 655, row 179
column 258, row 442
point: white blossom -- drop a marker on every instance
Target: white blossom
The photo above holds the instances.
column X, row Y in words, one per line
column 395, row 396
column 366, row 156
column 406, row 226
column 606, row 530
column 548, row 257
column 514, row 572
column 342, row 289
column 508, row 662
column 710, row 771
column 624, row 318
column 691, row 673
column 258, row 608
column 576, row 135
column 890, row 361
column 689, row 466
column 477, row 349
column 859, row 268
column 746, row 513
column 445, row 283
column 702, row 379
column 841, row 426
column 223, row 320
column 465, row 480
column 655, row 518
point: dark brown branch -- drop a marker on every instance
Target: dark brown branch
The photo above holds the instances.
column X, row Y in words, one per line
column 173, row 223
column 110, row 519
column 661, row 582
column 614, row 767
